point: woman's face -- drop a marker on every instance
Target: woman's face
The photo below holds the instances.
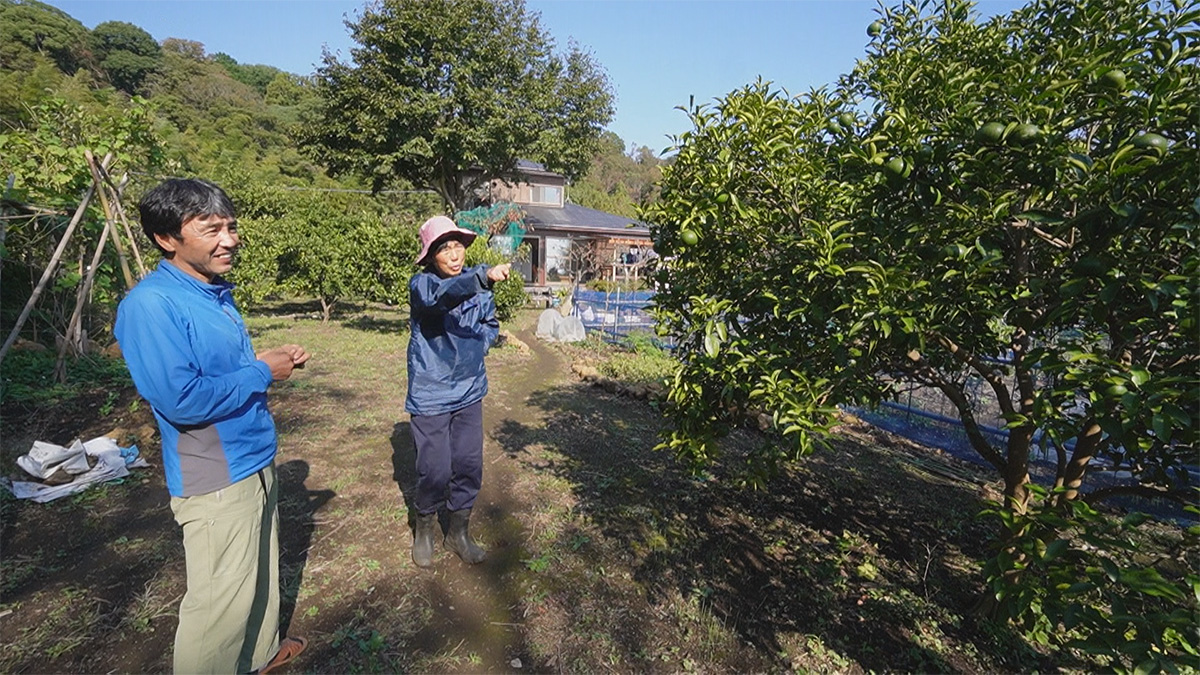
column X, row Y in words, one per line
column 449, row 257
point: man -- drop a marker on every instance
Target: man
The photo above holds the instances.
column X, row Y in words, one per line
column 190, row 357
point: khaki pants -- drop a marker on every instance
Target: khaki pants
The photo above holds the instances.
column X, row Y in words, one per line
column 229, row 617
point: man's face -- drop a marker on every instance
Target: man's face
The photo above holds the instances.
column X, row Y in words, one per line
column 205, row 246
column 448, row 261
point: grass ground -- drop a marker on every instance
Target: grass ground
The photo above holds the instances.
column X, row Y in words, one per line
column 604, row 555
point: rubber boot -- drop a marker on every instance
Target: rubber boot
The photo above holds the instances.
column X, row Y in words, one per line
column 422, row 551
column 458, row 539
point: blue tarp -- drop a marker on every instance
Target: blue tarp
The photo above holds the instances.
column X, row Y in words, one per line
column 615, row 314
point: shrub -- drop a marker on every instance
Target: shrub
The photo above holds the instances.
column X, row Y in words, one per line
column 510, row 294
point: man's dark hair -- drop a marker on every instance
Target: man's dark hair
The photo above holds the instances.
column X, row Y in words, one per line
column 170, row 204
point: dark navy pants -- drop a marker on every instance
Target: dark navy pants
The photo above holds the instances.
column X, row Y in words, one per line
column 449, row 458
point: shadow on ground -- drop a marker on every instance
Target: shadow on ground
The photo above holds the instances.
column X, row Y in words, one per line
column 831, row 549
column 298, row 507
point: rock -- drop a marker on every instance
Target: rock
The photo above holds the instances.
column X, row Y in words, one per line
column 585, row 372
column 610, row 385
column 119, row 434
column 23, row 345
column 146, row 433
column 140, row 436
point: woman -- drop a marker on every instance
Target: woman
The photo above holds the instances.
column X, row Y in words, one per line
column 452, row 326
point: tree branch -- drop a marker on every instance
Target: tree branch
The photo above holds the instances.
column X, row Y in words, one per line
column 922, row 371
column 1146, row 491
column 1003, row 396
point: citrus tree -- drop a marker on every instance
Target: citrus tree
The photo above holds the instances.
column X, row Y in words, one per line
column 329, row 247
column 1012, row 202
column 337, row 247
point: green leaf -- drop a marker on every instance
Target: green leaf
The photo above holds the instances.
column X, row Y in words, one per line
column 712, row 345
column 1110, row 569
column 1054, row 549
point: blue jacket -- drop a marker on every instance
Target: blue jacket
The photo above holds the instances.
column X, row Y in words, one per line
column 191, row 358
column 452, row 326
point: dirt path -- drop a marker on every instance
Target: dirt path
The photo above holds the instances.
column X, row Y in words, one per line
column 477, row 608
column 346, row 469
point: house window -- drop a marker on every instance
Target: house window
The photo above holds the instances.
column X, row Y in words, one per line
column 545, row 194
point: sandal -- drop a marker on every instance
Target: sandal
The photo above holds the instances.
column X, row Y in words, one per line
column 289, row 648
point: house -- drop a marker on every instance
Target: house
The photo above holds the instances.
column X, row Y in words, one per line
column 568, row 242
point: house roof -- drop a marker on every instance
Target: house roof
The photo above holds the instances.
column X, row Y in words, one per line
column 578, row 218
column 527, row 166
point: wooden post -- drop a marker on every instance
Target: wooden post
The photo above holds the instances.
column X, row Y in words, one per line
column 52, row 265
column 108, row 217
column 74, row 331
column 118, row 193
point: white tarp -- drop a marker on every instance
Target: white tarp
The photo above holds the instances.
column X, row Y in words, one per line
column 45, row 459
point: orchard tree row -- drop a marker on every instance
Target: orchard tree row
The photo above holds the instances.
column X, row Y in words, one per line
column 1012, row 201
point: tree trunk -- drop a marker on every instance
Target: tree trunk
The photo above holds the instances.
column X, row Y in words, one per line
column 1016, row 470
column 326, row 309
column 1085, row 449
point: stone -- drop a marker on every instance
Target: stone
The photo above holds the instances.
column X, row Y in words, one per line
column 23, row 345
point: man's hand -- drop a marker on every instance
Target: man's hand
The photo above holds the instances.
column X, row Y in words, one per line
column 282, row 360
column 499, row 272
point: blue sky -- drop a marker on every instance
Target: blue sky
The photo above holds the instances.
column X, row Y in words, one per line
column 657, row 52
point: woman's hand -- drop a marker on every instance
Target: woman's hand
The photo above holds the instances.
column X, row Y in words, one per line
column 499, row 272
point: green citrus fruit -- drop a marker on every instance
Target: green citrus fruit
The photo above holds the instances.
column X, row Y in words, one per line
column 897, row 166
column 689, row 237
column 875, row 28
column 846, row 119
column 1083, row 159
column 1117, row 390
column 1151, row 141
column 1025, row 134
column 1114, row 79
column 990, row 132
column 954, row 250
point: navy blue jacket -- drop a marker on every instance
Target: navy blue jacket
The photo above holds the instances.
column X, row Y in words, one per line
column 191, row 358
column 452, row 326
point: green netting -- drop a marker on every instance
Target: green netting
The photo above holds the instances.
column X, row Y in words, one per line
column 503, row 223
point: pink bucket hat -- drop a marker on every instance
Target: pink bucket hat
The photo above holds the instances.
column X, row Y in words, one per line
column 436, row 228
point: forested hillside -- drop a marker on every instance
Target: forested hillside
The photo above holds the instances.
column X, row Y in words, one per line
column 174, row 109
